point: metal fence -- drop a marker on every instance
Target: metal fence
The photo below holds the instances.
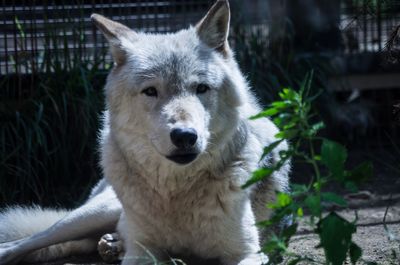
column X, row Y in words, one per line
column 38, row 35
column 367, row 25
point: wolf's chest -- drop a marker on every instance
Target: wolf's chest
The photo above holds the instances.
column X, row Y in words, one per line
column 204, row 199
column 187, row 218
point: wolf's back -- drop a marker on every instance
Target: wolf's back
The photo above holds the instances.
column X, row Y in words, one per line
column 19, row 222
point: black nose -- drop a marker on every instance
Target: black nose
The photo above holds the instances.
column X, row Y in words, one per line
column 183, row 137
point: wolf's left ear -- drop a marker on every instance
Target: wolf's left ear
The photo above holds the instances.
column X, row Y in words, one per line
column 115, row 33
column 213, row 29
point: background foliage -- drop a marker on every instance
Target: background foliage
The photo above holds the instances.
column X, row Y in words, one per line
column 48, row 134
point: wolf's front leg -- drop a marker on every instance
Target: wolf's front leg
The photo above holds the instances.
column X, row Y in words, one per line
column 242, row 246
column 99, row 215
column 143, row 254
column 138, row 251
column 255, row 259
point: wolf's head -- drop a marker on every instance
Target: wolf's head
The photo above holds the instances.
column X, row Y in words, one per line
column 178, row 94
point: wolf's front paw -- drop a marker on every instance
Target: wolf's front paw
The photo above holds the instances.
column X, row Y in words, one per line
column 256, row 259
column 110, row 248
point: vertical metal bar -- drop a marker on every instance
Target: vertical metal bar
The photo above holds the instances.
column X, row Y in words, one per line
column 138, row 9
column 82, row 27
column 54, row 32
column 184, row 13
column 111, row 12
column 171, row 12
column 164, row 12
column 365, row 29
column 155, row 11
column 81, row 44
column 94, row 40
column 71, row 46
column 379, row 22
column 5, row 35
column 130, row 14
column 16, row 57
column 102, row 42
column 32, row 37
column 68, row 27
column 35, row 38
column 121, row 15
column 45, row 30
column 32, row 48
column 188, row 12
column 111, row 9
column 147, row 12
column 24, row 24
column 15, row 40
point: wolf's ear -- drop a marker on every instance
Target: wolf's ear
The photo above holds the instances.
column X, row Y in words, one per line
column 213, row 29
column 115, row 33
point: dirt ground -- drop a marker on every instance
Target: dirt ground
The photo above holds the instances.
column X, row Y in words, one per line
column 378, row 245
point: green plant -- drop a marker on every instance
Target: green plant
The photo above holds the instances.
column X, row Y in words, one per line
column 294, row 116
column 49, row 122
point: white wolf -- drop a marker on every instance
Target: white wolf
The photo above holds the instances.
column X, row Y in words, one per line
column 176, row 147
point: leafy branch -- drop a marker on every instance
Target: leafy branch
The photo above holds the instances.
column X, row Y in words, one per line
column 298, row 125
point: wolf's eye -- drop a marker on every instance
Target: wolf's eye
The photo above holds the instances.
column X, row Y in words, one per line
column 202, row 88
column 150, row 91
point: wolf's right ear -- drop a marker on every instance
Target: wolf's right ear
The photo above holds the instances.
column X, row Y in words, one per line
column 115, row 33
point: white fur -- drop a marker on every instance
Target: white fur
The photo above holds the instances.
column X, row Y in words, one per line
column 198, row 207
column 26, row 216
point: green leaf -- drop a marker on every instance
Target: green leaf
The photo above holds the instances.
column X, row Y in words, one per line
column 294, row 261
column 317, row 185
column 289, row 231
column 306, row 84
column 351, row 186
column 287, row 134
column 283, row 199
column 317, row 157
column 300, row 212
column 298, row 188
column 279, row 214
column 333, row 198
column 280, row 104
column 274, row 244
column 361, row 173
column 299, row 191
column 287, row 94
column 270, row 147
column 258, row 175
column 335, row 237
column 266, row 113
column 313, row 203
column 314, row 129
column 333, row 155
column 355, row 253
column 290, row 123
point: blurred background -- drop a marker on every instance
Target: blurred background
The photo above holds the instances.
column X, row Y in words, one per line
column 53, row 65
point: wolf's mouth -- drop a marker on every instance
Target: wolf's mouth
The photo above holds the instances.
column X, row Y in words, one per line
column 182, row 158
